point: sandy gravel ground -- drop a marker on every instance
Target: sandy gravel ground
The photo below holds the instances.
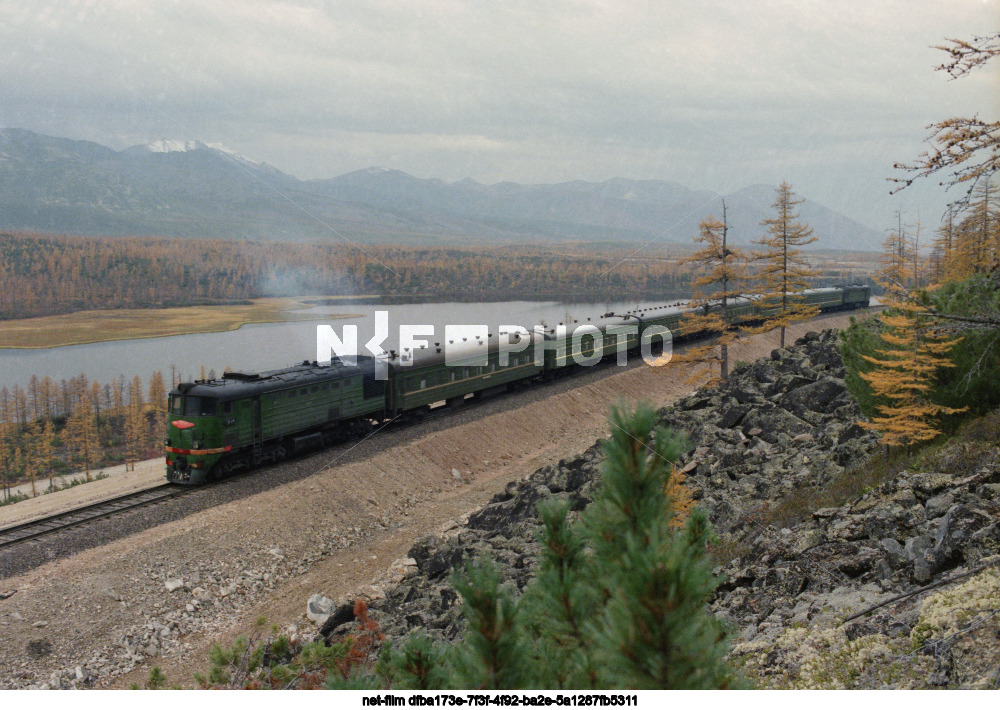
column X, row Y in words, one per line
column 147, row 474
column 108, row 614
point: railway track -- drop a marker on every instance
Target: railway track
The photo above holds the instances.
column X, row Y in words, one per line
column 80, row 516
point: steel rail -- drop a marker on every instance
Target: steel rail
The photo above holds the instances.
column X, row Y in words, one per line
column 79, row 516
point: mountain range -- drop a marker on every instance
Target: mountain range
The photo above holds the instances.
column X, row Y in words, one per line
column 194, row 189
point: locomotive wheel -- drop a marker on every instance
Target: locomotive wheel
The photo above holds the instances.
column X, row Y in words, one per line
column 279, row 453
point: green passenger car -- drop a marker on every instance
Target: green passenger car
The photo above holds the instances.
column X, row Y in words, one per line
column 432, row 377
column 589, row 341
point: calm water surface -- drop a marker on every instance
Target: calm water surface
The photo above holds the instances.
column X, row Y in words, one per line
column 273, row 345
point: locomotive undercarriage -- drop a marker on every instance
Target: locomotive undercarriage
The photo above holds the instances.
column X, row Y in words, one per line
column 272, row 451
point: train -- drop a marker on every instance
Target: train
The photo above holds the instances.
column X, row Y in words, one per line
column 245, row 419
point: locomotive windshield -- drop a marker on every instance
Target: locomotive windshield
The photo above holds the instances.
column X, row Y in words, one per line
column 192, row 406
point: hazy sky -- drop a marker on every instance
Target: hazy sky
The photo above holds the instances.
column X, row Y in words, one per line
column 710, row 94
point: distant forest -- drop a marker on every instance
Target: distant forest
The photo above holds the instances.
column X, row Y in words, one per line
column 48, row 275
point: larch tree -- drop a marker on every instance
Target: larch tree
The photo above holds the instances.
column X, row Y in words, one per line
column 943, row 267
column 721, row 278
column 34, row 398
column 46, row 394
column 30, row 462
column 6, row 407
column 46, row 451
column 979, row 231
column 913, row 350
column 82, row 437
column 904, row 375
column 95, row 399
column 16, row 464
column 964, row 150
column 157, row 403
column 6, row 455
column 785, row 273
column 136, row 426
column 895, row 273
column 20, row 406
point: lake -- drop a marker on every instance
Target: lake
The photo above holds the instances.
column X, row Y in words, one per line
column 269, row 346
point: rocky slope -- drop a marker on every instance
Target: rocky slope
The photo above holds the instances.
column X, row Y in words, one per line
column 780, row 430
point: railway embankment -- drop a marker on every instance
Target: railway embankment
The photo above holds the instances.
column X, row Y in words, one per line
column 838, row 571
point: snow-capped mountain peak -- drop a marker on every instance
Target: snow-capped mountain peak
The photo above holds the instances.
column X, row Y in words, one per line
column 167, row 145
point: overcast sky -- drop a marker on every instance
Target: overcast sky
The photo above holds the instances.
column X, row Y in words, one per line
column 711, row 94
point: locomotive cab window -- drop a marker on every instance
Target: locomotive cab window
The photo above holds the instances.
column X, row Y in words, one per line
column 227, row 407
column 199, row 406
column 177, row 404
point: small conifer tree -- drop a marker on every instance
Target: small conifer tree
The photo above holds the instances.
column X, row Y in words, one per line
column 654, row 630
column 619, row 598
column 492, row 656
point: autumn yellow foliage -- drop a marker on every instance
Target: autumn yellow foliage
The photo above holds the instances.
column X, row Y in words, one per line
column 680, row 499
column 905, row 368
column 721, row 278
column 785, row 273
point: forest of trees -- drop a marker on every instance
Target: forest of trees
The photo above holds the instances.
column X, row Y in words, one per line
column 52, row 428
column 48, row 275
